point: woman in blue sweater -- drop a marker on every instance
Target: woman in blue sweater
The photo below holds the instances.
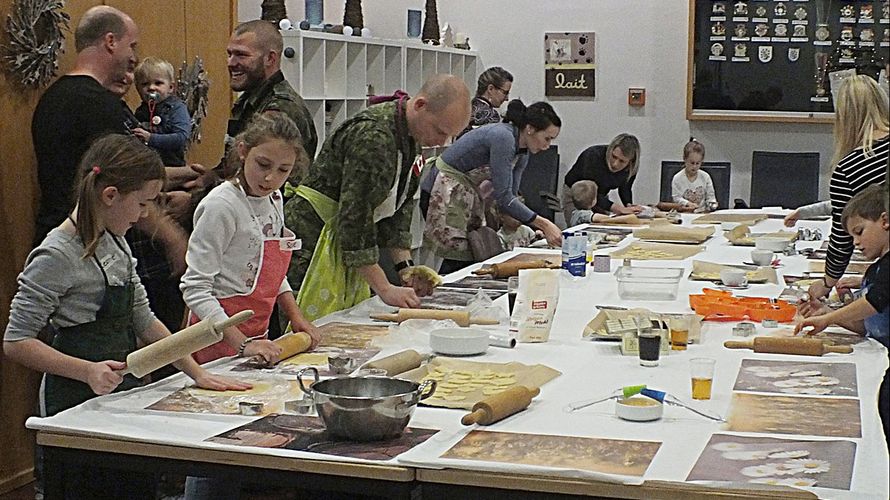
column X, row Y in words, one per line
column 451, row 193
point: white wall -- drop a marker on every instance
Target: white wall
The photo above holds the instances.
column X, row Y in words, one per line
column 640, row 43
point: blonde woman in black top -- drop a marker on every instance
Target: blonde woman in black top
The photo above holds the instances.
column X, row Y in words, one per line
column 611, row 167
column 862, row 151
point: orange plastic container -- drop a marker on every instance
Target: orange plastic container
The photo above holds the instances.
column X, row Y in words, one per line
column 717, row 305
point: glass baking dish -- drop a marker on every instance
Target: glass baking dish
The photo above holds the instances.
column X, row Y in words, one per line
column 648, row 283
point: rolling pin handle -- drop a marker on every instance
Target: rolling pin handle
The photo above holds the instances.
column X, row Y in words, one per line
column 484, row 321
column 473, row 418
column 235, row 319
column 738, row 344
column 839, row 349
column 385, row 317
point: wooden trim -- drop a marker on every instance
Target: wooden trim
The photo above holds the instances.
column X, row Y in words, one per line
column 690, row 58
column 664, row 490
column 763, row 116
column 736, row 116
column 114, row 445
column 17, row 480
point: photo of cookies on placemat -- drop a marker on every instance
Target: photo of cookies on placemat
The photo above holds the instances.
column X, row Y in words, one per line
column 780, row 462
column 794, row 415
column 609, row 456
column 786, row 377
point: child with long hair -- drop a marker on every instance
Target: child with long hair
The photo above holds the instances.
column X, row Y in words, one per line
column 82, row 282
column 691, row 188
column 239, row 251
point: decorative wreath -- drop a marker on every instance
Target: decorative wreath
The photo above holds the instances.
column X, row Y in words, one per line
column 193, row 87
column 36, row 37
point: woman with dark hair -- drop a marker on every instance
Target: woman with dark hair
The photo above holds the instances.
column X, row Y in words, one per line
column 450, row 194
column 492, row 90
column 611, row 167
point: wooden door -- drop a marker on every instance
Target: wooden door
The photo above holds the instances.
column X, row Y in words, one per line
column 176, row 30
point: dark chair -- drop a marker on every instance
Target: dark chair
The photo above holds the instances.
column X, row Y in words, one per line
column 718, row 170
column 784, row 179
column 540, row 182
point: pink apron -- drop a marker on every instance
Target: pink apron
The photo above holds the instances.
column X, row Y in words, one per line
column 273, row 264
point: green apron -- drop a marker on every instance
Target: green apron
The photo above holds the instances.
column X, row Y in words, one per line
column 109, row 337
column 329, row 285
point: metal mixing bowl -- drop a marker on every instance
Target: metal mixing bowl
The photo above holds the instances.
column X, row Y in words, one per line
column 368, row 408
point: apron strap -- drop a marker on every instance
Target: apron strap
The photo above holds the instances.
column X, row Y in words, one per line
column 324, row 206
column 459, row 176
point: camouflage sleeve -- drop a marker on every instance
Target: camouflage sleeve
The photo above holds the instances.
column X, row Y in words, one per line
column 395, row 231
column 297, row 111
column 369, row 157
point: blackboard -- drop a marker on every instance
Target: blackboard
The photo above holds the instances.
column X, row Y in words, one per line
column 770, row 60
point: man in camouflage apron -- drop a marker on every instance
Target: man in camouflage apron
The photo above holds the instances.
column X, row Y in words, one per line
column 359, row 197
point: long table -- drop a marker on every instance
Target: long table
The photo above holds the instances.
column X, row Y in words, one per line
column 117, row 431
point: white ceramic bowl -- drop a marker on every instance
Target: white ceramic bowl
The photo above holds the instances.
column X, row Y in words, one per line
column 762, row 257
column 639, row 409
column 770, row 243
column 733, row 277
column 459, row 341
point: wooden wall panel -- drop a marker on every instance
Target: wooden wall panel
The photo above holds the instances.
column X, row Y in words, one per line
column 18, row 204
column 164, row 40
column 173, row 29
column 209, row 24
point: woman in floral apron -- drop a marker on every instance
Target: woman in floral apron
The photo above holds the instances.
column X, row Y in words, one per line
column 452, row 191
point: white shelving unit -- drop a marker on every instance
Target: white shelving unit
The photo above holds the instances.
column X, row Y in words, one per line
column 334, row 73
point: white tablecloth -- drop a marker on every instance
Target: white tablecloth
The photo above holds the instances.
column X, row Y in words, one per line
column 590, row 369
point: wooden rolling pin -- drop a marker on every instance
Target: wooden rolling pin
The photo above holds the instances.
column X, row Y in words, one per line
column 501, row 405
column 397, row 363
column 293, row 344
column 629, row 219
column 779, row 345
column 507, row 269
column 179, row 345
column 462, row 318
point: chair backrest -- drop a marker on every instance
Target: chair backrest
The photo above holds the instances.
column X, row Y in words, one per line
column 784, row 179
column 541, row 175
column 718, row 170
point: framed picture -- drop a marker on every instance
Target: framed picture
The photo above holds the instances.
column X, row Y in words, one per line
column 570, row 64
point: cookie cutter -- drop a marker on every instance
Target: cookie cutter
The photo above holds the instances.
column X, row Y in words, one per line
column 744, row 329
column 305, row 406
column 250, row 408
column 808, row 234
column 341, row 364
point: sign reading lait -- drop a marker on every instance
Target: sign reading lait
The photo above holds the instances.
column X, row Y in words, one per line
column 569, row 65
column 570, row 82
